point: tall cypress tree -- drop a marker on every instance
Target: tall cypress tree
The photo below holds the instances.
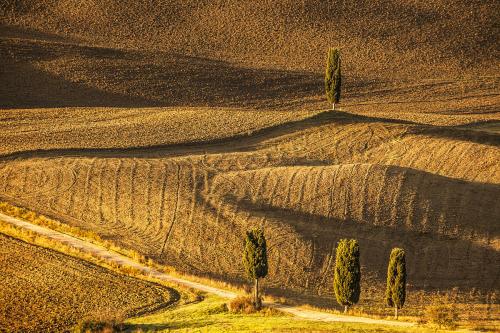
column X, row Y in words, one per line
column 333, row 78
column 255, row 259
column 395, row 293
column 347, row 276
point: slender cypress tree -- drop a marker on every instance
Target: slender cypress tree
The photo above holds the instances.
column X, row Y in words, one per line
column 395, row 292
column 346, row 282
column 255, row 259
column 333, row 78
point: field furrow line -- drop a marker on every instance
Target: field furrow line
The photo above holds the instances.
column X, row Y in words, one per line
column 6, row 170
column 162, row 198
column 116, row 185
column 149, row 183
column 71, row 203
column 332, row 189
column 69, row 190
column 315, row 195
column 434, row 158
column 86, row 191
column 176, row 207
column 25, row 179
column 272, row 193
column 378, row 203
column 365, row 185
column 349, row 188
column 52, row 197
column 396, row 202
column 444, row 158
column 356, row 139
column 413, row 158
column 262, row 183
column 444, row 206
column 318, row 147
column 469, row 169
column 414, row 218
column 301, row 184
column 100, row 193
column 324, row 272
column 133, row 174
column 194, row 176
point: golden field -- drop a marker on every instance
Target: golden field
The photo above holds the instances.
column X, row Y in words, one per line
column 172, row 127
column 44, row 290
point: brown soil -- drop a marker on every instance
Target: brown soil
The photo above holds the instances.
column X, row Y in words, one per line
column 44, row 290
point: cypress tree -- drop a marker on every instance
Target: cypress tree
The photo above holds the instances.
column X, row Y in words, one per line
column 347, row 276
column 395, row 292
column 333, row 78
column 255, row 259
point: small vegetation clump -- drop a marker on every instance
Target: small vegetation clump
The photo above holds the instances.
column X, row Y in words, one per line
column 442, row 315
column 242, row 304
column 99, row 326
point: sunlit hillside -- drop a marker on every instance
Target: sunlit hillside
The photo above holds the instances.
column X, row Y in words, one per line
column 172, row 127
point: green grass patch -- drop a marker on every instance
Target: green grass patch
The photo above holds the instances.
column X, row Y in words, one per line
column 211, row 315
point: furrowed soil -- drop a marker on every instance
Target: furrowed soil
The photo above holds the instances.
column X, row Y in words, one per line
column 171, row 128
column 44, row 290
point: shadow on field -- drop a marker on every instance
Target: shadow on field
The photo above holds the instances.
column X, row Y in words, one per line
column 24, row 86
column 434, row 262
column 40, row 74
column 240, row 142
column 249, row 142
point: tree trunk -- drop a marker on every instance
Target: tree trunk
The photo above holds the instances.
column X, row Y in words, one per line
column 256, row 294
column 396, row 312
column 345, row 308
column 333, row 106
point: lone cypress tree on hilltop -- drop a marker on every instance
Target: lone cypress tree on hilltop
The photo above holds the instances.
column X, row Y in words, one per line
column 347, row 275
column 255, row 259
column 333, row 78
column 395, row 292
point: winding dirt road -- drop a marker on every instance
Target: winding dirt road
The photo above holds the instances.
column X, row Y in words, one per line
column 123, row 260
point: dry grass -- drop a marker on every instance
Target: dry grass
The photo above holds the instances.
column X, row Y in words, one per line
column 46, row 290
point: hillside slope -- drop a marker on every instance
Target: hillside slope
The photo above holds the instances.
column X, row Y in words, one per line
column 46, row 291
column 384, row 37
column 307, row 187
column 171, row 127
column 428, row 63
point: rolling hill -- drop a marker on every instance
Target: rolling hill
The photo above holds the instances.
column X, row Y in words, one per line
column 171, row 127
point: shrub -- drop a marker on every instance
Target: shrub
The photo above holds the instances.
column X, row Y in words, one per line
column 442, row 315
column 221, row 308
column 242, row 304
column 96, row 326
column 108, row 321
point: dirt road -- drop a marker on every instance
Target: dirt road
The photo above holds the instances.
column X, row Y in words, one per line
column 122, row 260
